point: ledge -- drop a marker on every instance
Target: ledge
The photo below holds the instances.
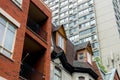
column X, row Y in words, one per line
column 12, row 60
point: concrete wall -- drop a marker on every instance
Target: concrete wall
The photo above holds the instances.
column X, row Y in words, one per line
column 77, row 75
column 109, row 37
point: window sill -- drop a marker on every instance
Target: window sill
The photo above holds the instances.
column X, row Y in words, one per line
column 2, row 78
column 18, row 5
column 12, row 60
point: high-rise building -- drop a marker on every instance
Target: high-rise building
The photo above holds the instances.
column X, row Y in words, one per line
column 108, row 26
column 96, row 21
column 78, row 18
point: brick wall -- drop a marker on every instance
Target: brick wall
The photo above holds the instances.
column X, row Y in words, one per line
column 9, row 69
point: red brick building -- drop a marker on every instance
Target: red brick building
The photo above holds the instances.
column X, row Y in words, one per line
column 25, row 32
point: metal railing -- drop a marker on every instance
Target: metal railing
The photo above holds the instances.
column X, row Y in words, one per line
column 29, row 73
column 36, row 29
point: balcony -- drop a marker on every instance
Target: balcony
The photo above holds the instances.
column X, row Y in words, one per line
column 32, row 67
column 37, row 21
column 36, row 29
column 29, row 73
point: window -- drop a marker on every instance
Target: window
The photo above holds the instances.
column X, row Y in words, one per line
column 81, row 19
column 71, row 24
column 81, row 78
column 7, row 37
column 63, row 3
column 18, row 2
column 91, row 2
column 86, row 10
column 61, row 41
column 89, row 58
column 81, row 13
column 85, row 32
column 64, row 8
column 87, row 39
column 87, row 24
column 67, row 32
column 93, row 22
column 62, row 21
column 73, row 30
column 96, row 53
column 94, row 36
column 66, row 26
column 81, row 56
column 76, row 43
column 76, row 36
column 57, row 74
column 95, row 45
column 61, row 15
column 71, row 11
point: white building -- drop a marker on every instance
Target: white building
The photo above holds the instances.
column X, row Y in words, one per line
column 108, row 26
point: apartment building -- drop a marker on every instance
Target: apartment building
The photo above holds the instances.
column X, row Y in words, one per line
column 78, row 18
column 91, row 20
column 25, row 38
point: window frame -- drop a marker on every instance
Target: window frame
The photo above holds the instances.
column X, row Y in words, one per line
column 2, row 46
column 81, row 55
column 81, row 77
column 61, row 43
column 19, row 4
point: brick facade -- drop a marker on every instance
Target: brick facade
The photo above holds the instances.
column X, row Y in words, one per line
column 10, row 68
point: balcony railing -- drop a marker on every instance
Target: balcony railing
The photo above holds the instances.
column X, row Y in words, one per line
column 29, row 73
column 37, row 29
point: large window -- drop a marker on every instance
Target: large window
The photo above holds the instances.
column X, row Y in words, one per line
column 61, row 41
column 57, row 74
column 7, row 37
